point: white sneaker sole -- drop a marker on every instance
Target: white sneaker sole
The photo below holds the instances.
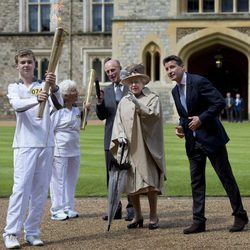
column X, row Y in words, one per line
column 38, row 243
column 59, row 219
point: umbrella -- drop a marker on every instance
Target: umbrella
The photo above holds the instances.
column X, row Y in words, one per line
column 117, row 178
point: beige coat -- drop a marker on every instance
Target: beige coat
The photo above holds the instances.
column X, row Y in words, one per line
column 143, row 130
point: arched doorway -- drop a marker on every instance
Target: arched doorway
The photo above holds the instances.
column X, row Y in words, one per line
column 229, row 74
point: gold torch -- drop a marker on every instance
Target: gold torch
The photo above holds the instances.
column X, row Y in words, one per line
column 57, row 45
column 92, row 77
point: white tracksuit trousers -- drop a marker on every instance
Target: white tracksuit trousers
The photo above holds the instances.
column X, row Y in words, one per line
column 64, row 178
column 32, row 172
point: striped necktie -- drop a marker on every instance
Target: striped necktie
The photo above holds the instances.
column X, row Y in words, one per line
column 118, row 93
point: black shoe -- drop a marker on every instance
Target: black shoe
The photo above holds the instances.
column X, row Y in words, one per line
column 105, row 217
column 130, row 214
column 152, row 226
column 195, row 228
column 136, row 224
column 239, row 224
column 118, row 214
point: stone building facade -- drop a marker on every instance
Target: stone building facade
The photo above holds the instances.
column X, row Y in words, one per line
column 204, row 33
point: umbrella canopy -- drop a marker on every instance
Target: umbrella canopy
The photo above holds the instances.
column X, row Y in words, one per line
column 116, row 188
column 117, row 180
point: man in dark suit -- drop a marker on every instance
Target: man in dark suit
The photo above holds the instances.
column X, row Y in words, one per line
column 106, row 109
column 198, row 104
column 238, row 107
column 229, row 107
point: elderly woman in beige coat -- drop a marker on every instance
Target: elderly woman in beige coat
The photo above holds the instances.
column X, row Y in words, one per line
column 139, row 124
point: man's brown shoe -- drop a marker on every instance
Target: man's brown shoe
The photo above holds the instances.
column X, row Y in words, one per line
column 195, row 228
column 239, row 224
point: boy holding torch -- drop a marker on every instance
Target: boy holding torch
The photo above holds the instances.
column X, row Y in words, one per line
column 33, row 151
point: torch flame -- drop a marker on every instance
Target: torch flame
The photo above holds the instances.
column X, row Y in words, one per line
column 56, row 8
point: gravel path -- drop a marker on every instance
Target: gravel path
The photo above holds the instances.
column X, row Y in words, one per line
column 89, row 231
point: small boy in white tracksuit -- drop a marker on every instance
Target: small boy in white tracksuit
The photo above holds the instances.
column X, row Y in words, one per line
column 33, row 152
column 66, row 164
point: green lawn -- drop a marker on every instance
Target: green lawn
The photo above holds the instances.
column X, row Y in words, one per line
column 92, row 179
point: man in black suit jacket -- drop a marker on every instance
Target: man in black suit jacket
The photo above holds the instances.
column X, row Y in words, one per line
column 199, row 104
column 106, row 109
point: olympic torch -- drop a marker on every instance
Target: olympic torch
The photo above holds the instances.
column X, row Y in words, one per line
column 92, row 77
column 57, row 45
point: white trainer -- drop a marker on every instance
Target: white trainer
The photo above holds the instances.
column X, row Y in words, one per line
column 11, row 242
column 59, row 216
column 71, row 213
column 34, row 240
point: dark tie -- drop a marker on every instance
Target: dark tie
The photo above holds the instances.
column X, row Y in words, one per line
column 183, row 100
column 182, row 96
column 118, row 93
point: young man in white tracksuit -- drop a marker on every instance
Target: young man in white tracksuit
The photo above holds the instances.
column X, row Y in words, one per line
column 66, row 164
column 33, row 152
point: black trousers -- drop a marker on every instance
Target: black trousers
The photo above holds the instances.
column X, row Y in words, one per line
column 238, row 115
column 229, row 113
column 108, row 157
column 223, row 169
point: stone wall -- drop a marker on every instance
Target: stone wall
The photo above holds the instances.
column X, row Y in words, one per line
column 143, row 9
column 6, row 112
column 128, row 51
column 12, row 43
column 9, row 21
column 163, row 89
column 132, row 36
column 135, row 25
